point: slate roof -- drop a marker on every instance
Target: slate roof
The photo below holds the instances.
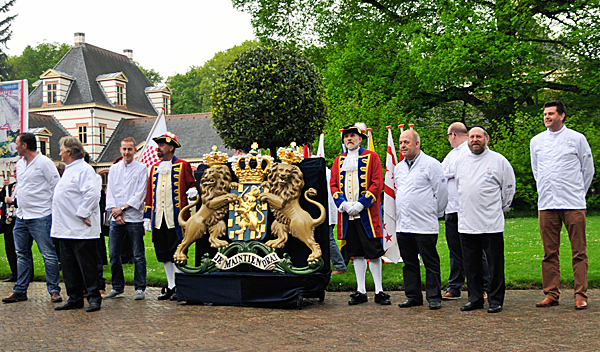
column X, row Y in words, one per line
column 85, row 63
column 194, row 132
column 58, row 131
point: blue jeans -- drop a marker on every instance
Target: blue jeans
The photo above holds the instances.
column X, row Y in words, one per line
column 115, row 245
column 334, row 252
column 25, row 232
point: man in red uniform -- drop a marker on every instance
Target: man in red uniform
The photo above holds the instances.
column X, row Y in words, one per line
column 170, row 181
column 356, row 185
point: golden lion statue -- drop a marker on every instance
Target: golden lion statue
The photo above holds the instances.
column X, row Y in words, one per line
column 284, row 185
column 214, row 185
column 247, row 210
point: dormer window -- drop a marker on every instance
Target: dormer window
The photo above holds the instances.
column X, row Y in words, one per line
column 160, row 96
column 120, row 95
column 166, row 105
column 115, row 87
column 55, row 86
column 51, row 93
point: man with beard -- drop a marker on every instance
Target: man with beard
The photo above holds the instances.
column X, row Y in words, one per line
column 421, row 197
column 563, row 168
column 356, row 185
column 486, row 186
column 170, row 181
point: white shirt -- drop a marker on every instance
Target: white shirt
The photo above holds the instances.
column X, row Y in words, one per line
column 76, row 196
column 35, row 186
column 449, row 165
column 127, row 185
column 486, row 187
column 421, row 195
column 563, row 168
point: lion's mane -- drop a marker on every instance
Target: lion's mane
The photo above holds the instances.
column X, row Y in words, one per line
column 221, row 175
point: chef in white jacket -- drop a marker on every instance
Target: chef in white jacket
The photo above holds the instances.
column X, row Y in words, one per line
column 421, row 198
column 76, row 224
column 563, row 168
column 486, row 186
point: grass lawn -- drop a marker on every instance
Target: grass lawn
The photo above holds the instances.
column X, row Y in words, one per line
column 522, row 248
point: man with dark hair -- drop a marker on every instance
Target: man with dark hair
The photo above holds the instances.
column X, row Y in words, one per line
column 36, row 179
column 563, row 168
column 356, row 185
column 171, row 180
column 486, row 187
column 125, row 196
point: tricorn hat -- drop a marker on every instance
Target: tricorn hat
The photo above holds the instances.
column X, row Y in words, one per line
column 356, row 128
column 168, row 138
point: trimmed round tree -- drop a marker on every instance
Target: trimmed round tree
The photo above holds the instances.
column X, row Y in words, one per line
column 272, row 96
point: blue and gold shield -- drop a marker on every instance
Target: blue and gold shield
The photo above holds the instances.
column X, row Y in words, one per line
column 247, row 216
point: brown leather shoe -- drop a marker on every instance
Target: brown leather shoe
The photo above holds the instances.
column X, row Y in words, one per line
column 547, row 302
column 15, row 297
column 580, row 304
column 449, row 296
column 337, row 272
column 55, row 297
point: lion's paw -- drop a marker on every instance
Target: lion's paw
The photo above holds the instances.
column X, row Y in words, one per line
column 218, row 243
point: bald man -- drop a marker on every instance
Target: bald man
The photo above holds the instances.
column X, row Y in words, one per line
column 421, row 198
column 486, row 187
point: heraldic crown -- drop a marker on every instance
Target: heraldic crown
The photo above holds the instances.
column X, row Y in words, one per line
column 215, row 158
column 289, row 155
column 252, row 168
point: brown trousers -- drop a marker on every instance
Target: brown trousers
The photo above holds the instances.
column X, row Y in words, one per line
column 551, row 222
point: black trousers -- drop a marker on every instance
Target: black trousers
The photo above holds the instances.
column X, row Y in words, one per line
column 79, row 263
column 165, row 242
column 9, row 246
column 411, row 245
column 492, row 244
column 456, row 280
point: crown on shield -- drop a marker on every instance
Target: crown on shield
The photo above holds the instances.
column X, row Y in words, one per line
column 252, row 168
column 215, row 158
column 289, row 155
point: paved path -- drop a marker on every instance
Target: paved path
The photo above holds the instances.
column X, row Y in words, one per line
column 150, row 325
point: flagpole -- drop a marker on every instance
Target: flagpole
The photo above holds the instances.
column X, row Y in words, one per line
column 150, row 134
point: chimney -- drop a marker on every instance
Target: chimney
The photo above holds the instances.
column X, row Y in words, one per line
column 128, row 53
column 79, row 39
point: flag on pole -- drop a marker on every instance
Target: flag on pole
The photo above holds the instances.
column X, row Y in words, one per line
column 342, row 139
column 321, row 149
column 305, row 152
column 148, row 155
column 390, row 242
column 370, row 145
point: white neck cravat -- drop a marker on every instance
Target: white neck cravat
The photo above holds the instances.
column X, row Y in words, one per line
column 351, row 161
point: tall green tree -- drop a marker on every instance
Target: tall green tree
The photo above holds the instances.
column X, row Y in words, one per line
column 191, row 91
column 272, row 96
column 5, row 35
column 153, row 76
column 34, row 61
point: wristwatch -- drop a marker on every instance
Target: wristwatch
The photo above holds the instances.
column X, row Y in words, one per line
column 123, row 208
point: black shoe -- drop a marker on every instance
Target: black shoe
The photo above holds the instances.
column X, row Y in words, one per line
column 358, row 298
column 69, row 306
column 166, row 293
column 11, row 278
column 435, row 305
column 495, row 309
column 410, row 303
column 471, row 306
column 174, row 296
column 92, row 307
column 383, row 299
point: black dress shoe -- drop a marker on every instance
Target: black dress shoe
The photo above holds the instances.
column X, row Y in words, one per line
column 69, row 306
column 166, row 293
column 435, row 305
column 495, row 309
column 383, row 299
column 11, row 278
column 358, row 298
column 92, row 307
column 471, row 306
column 410, row 303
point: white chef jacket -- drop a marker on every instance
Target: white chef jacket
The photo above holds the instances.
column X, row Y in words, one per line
column 486, row 187
column 35, row 186
column 563, row 168
column 127, row 185
column 421, row 195
column 76, row 196
column 449, row 165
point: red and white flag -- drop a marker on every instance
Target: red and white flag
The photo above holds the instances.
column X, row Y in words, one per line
column 390, row 242
column 148, row 155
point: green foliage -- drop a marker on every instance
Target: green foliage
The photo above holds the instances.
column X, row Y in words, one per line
column 191, row 91
column 272, row 96
column 153, row 76
column 5, row 35
column 34, row 61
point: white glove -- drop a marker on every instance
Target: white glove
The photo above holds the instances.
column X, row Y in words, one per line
column 148, row 225
column 192, row 193
column 343, row 208
column 356, row 208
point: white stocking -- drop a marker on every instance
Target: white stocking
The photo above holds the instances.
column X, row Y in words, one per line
column 360, row 269
column 170, row 271
column 375, row 266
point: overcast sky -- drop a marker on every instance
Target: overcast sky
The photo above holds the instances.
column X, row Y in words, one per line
column 167, row 36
